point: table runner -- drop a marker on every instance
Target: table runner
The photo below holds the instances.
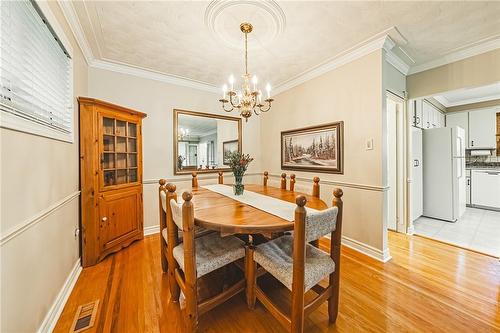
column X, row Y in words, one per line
column 276, row 207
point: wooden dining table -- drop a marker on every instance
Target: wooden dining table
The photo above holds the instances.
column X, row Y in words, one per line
column 218, row 212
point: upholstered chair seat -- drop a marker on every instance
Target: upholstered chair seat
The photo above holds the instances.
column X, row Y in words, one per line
column 276, row 257
column 212, row 252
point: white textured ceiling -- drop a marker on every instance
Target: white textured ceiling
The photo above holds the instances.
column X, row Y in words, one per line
column 201, row 40
column 470, row 95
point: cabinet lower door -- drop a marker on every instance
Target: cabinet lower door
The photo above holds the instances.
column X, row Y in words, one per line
column 120, row 218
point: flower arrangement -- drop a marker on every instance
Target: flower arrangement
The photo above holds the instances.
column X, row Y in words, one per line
column 238, row 162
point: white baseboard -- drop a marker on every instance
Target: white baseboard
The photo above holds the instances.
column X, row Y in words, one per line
column 154, row 229
column 52, row 316
column 383, row 256
column 411, row 229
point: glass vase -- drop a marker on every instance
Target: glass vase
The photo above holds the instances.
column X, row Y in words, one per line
column 238, row 186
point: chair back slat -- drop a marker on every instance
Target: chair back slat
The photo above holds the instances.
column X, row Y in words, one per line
column 194, row 180
column 315, row 191
column 299, row 257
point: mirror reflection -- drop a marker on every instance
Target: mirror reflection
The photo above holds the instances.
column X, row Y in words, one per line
column 204, row 140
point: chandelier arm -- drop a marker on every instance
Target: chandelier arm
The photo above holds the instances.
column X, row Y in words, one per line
column 231, row 99
column 268, row 106
column 224, row 107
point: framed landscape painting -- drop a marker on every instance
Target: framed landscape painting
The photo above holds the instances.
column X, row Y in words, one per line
column 227, row 148
column 316, row 149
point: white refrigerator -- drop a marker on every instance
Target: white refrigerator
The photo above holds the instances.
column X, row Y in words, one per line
column 444, row 173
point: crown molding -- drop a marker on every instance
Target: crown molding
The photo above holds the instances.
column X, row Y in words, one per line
column 153, row 75
column 366, row 47
column 77, row 30
column 484, row 46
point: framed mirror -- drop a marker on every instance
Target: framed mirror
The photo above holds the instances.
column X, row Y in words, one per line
column 201, row 140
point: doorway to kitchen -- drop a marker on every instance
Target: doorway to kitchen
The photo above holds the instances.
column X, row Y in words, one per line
column 455, row 177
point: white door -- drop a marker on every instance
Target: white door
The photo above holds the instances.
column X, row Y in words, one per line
column 482, row 128
column 460, row 119
column 417, row 175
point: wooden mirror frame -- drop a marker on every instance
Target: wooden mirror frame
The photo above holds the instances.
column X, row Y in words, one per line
column 178, row 112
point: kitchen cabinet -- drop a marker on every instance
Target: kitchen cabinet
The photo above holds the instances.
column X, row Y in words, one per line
column 460, row 119
column 485, row 186
column 427, row 115
column 482, row 128
column 432, row 117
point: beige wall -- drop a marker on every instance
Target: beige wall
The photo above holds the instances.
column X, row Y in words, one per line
column 354, row 94
column 37, row 174
column 158, row 99
column 480, row 70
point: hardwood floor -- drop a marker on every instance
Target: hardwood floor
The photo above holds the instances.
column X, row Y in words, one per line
column 427, row 287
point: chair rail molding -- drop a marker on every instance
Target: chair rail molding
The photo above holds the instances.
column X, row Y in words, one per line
column 30, row 222
column 366, row 187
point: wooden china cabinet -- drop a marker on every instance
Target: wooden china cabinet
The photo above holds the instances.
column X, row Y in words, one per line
column 110, row 178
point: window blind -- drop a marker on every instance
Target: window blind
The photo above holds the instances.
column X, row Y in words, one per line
column 35, row 69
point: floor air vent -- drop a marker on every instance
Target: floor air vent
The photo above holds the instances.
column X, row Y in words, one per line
column 84, row 317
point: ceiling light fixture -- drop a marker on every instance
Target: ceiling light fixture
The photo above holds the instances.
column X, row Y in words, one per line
column 246, row 100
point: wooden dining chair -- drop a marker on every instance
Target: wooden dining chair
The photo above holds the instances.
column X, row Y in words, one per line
column 196, row 257
column 292, row 182
column 220, row 180
column 300, row 266
column 165, row 191
column 283, row 181
column 315, row 189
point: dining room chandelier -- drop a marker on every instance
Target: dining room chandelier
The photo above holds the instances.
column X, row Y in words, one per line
column 248, row 99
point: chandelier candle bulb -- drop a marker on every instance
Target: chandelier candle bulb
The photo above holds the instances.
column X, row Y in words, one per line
column 268, row 89
column 224, row 91
column 231, row 82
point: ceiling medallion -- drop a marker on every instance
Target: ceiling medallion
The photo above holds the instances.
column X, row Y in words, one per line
column 247, row 100
column 220, row 15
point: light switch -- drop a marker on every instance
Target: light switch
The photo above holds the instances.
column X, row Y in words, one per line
column 369, row 144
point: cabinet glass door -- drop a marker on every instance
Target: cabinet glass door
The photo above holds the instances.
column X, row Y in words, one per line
column 118, row 147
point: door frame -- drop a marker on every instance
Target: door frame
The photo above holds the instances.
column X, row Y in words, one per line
column 403, row 162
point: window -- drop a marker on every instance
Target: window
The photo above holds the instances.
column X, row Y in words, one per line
column 35, row 74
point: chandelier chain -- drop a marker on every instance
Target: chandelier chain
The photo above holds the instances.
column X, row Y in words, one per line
column 246, row 53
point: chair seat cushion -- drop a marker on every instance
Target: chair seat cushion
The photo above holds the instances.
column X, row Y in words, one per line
column 276, row 256
column 212, row 252
column 198, row 232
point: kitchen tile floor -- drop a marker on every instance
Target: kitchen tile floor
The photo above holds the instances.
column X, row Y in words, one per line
column 477, row 229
